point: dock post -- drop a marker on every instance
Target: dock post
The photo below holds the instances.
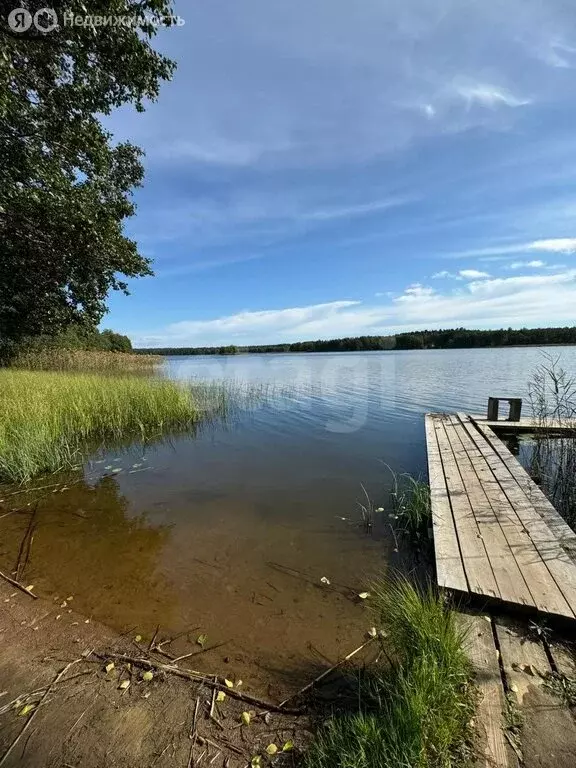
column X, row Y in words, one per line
column 492, row 409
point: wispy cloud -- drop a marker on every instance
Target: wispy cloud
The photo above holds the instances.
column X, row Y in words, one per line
column 488, row 95
column 472, row 274
column 565, row 245
column 535, row 263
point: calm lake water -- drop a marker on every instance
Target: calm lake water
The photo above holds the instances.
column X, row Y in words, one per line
column 228, row 533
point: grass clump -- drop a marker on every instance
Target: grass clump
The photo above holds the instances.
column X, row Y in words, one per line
column 56, row 359
column 416, row 712
column 48, row 418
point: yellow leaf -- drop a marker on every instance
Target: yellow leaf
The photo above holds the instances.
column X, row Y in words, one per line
column 288, row 746
column 246, row 718
column 229, row 683
column 147, row 676
column 124, row 685
column 138, row 639
column 30, row 587
column 202, row 640
column 220, row 696
column 256, row 761
column 271, row 749
column 26, row 709
column 109, row 667
column 364, row 595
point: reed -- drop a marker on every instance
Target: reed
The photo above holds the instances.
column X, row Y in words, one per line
column 552, row 395
column 49, row 420
column 55, row 359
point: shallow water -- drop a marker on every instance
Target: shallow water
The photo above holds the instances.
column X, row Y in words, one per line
column 229, row 532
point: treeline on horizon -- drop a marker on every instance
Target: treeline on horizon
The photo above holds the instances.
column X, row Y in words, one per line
column 452, row 338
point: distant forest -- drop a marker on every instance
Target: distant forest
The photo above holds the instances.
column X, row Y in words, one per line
column 452, row 338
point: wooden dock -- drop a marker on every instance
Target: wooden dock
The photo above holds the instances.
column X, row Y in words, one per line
column 496, row 536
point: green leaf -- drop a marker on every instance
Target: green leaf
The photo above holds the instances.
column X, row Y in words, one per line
column 271, row 749
column 202, row 640
column 220, row 696
column 26, row 709
column 147, row 676
column 229, row 683
column 256, row 761
column 246, row 718
column 109, row 667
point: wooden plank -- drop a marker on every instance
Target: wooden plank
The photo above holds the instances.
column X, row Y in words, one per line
column 509, row 578
column 565, row 658
column 524, row 658
column 566, row 427
column 560, row 565
column 541, row 584
column 565, row 535
column 481, row 650
column 449, row 569
column 475, row 559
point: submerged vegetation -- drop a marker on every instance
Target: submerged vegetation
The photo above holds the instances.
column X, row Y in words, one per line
column 552, row 393
column 50, row 419
column 414, row 712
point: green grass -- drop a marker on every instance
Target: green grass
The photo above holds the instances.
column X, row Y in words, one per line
column 48, row 419
column 414, row 713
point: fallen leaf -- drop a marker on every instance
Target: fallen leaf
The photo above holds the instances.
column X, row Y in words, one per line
column 288, row 746
column 514, row 688
column 364, row 595
column 228, row 683
column 147, row 676
column 372, row 632
column 30, row 587
column 138, row 639
column 324, row 580
column 220, row 696
column 202, row 640
column 109, row 667
column 246, row 718
column 267, row 718
column 124, row 685
column 271, row 749
column 26, row 709
column 256, row 761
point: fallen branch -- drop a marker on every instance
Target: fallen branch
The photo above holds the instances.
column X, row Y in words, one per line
column 326, row 673
column 19, row 586
column 197, row 677
column 57, row 679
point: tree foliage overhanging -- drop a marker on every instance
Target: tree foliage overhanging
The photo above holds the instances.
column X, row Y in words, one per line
column 65, row 187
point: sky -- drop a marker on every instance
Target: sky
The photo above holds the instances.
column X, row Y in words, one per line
column 326, row 168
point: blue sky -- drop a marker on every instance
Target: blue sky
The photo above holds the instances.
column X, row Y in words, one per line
column 327, row 168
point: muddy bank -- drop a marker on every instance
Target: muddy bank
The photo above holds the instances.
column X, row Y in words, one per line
column 87, row 719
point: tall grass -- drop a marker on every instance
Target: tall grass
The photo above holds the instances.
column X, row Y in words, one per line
column 552, row 395
column 48, row 419
column 416, row 712
column 55, row 359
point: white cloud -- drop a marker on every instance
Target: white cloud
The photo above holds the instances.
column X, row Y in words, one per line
column 532, row 264
column 472, row 274
column 443, row 274
column 554, row 245
column 488, row 95
column 566, row 245
column 516, row 301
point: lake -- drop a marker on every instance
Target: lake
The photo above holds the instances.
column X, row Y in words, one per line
column 228, row 533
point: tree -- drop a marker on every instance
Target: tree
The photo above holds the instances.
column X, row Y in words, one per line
column 65, row 188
